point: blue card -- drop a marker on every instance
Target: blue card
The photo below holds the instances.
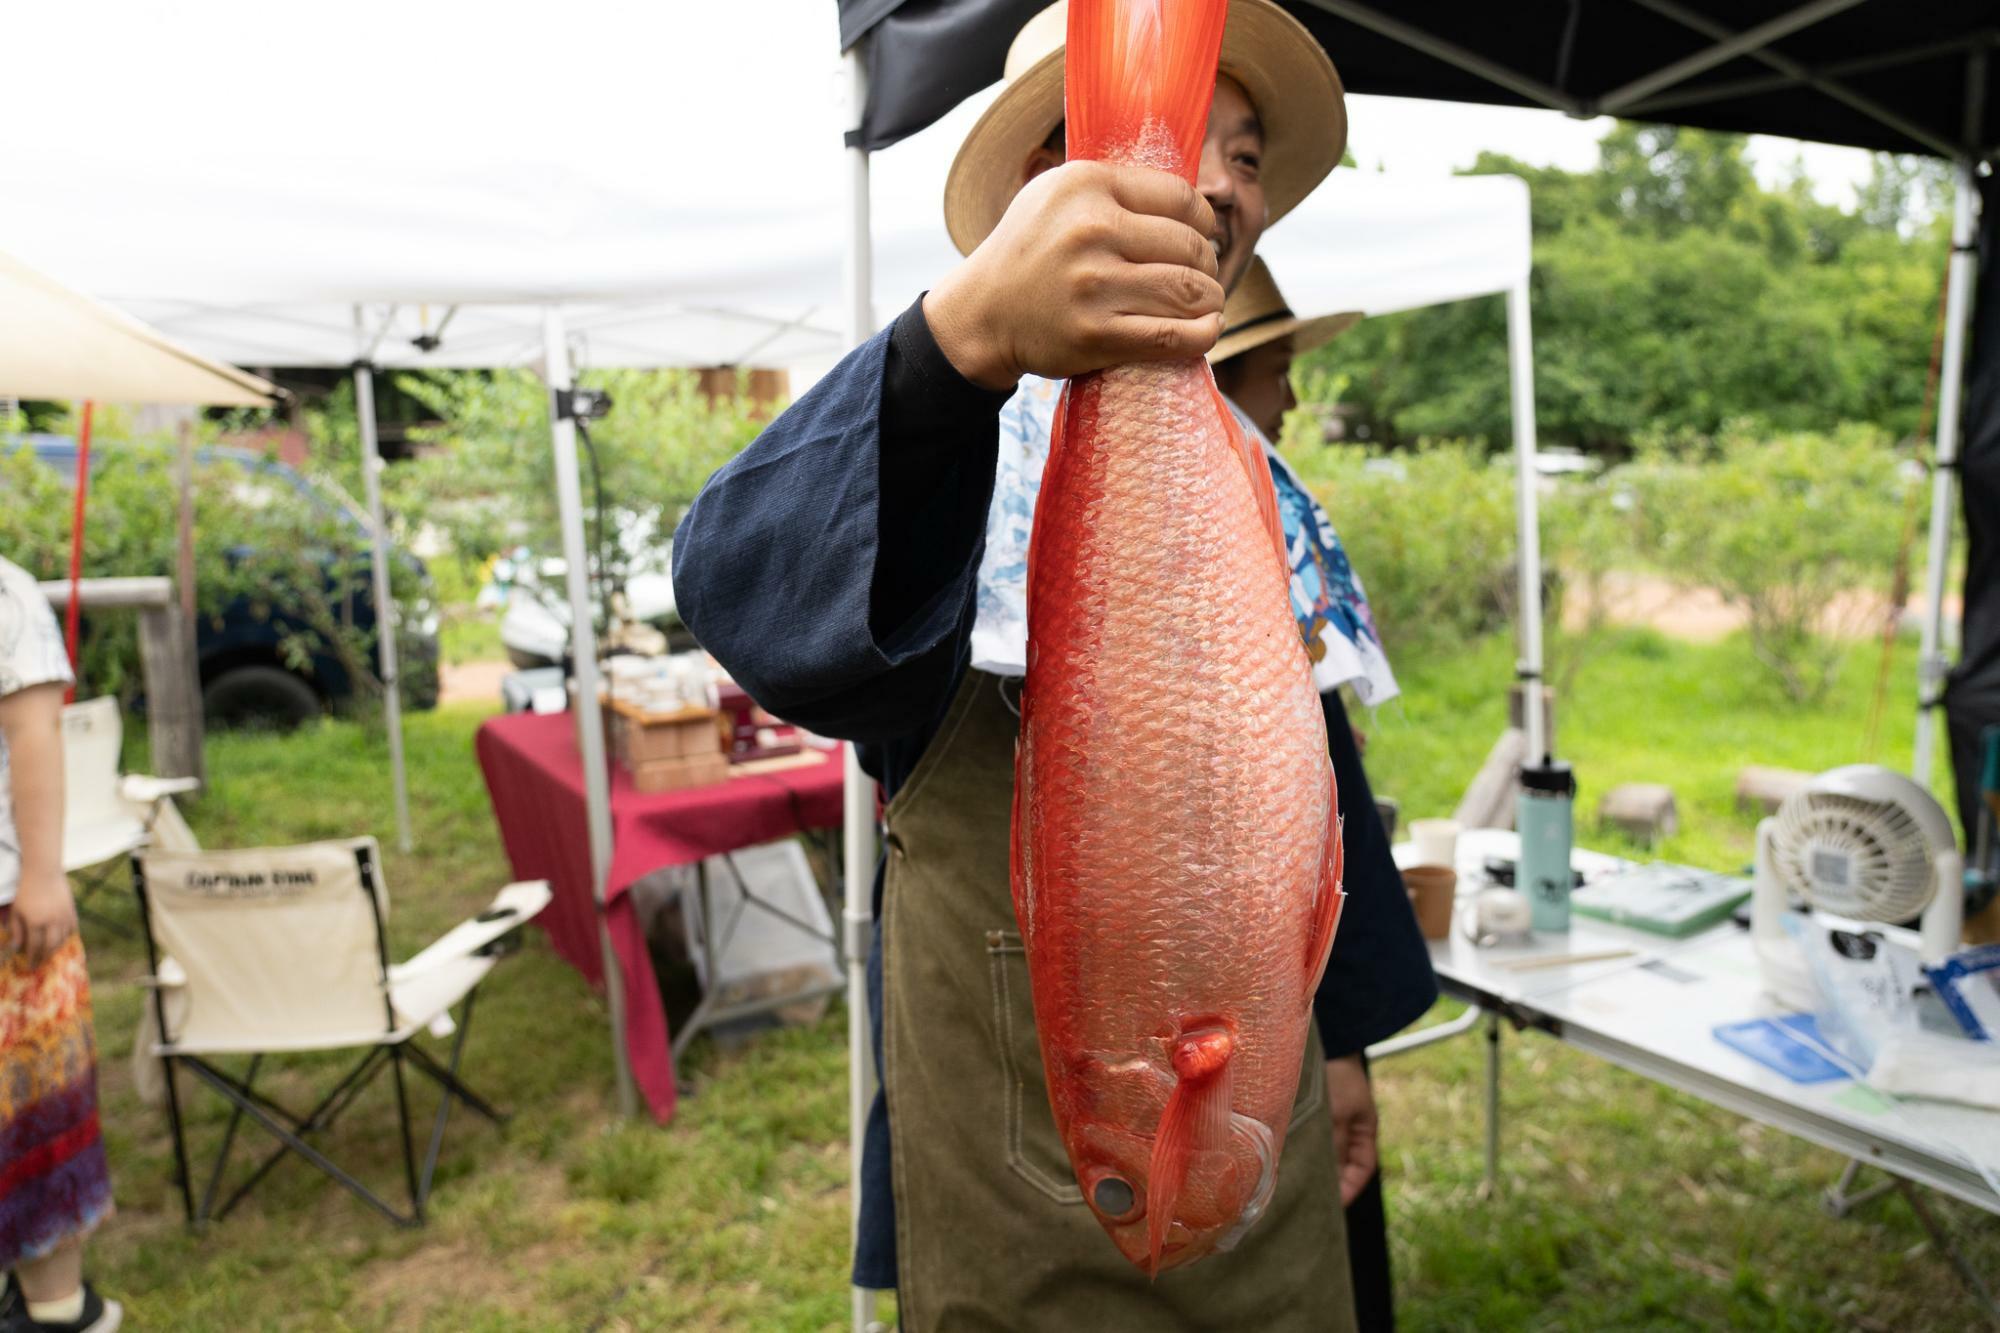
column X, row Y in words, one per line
column 1789, row 1045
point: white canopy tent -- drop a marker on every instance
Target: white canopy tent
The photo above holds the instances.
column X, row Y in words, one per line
column 677, row 210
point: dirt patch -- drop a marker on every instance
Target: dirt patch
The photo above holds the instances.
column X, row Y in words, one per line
column 441, row 1273
column 472, row 682
column 1701, row 615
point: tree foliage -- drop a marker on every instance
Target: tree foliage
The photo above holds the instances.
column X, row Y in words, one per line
column 488, row 485
column 260, row 547
column 1673, row 294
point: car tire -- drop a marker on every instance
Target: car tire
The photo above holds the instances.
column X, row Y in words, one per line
column 259, row 697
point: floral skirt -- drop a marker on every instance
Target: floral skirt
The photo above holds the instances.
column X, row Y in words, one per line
column 54, row 1185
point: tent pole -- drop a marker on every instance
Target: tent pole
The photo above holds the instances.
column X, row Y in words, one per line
column 589, row 717
column 385, row 603
column 1931, row 665
column 858, row 832
column 1521, row 374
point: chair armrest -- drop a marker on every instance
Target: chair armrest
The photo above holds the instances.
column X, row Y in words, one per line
column 146, row 789
column 513, row 905
column 170, row 977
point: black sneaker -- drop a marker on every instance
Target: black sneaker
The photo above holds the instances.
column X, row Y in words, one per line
column 99, row 1316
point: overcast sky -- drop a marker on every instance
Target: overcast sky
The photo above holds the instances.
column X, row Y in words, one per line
column 1410, row 137
column 1407, row 135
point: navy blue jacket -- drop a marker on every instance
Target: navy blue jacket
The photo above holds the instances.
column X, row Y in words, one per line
column 832, row 569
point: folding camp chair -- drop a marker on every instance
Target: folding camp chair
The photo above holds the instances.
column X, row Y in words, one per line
column 285, row 949
column 107, row 814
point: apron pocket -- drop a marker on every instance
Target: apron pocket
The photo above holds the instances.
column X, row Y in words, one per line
column 1034, row 1149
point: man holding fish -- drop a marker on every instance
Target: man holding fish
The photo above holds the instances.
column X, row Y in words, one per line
column 862, row 569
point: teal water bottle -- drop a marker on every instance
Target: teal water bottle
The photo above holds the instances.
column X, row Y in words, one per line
column 1543, row 816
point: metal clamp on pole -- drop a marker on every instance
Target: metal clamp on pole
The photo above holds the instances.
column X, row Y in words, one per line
column 857, row 933
column 582, row 404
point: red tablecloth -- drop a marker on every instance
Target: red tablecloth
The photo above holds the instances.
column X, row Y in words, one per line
column 534, row 775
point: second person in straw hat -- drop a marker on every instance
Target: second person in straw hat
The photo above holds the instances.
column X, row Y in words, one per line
column 1253, row 368
column 860, row 570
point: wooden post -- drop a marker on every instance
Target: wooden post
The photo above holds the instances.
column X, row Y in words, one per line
column 184, row 553
column 167, row 660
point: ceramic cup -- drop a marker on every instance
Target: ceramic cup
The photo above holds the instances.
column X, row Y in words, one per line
column 1431, row 890
column 1436, row 841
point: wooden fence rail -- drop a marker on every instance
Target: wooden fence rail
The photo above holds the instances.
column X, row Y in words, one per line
column 167, row 661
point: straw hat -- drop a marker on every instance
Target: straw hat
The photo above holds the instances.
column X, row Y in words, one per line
column 1256, row 314
column 1288, row 77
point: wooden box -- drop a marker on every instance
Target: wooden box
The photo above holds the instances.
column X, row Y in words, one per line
column 665, row 751
column 640, row 737
column 672, row 774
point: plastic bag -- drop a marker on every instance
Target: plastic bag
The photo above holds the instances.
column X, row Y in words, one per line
column 1879, row 1012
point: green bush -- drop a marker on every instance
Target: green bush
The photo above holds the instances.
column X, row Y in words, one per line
column 1797, row 531
column 256, row 540
column 1785, row 529
column 488, row 488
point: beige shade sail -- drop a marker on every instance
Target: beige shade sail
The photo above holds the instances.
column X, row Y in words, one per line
column 56, row 343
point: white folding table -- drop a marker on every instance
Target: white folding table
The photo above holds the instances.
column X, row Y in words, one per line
column 1653, row 1009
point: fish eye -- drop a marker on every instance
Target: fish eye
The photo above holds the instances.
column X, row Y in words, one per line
column 1113, row 1196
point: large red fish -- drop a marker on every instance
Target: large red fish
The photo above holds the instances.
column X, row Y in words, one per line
column 1176, row 848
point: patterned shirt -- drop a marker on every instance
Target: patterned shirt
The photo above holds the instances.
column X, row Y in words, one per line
column 1327, row 596
column 31, row 653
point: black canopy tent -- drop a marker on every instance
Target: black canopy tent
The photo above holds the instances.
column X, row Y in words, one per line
column 1887, row 74
column 1877, row 74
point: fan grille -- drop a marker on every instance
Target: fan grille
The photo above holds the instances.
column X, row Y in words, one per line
column 1853, row 857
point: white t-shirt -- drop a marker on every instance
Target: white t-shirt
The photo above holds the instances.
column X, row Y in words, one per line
column 31, row 653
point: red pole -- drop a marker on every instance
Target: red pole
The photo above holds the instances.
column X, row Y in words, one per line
column 76, row 543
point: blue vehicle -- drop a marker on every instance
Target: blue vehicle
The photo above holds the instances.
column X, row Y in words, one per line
column 246, row 678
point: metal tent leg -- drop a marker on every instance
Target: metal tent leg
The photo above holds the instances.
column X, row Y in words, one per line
column 1492, row 1103
column 385, row 602
column 1842, row 1198
column 858, row 825
column 1974, row 1283
column 1931, row 662
column 583, row 652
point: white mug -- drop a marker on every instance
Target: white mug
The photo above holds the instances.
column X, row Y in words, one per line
column 1436, row 841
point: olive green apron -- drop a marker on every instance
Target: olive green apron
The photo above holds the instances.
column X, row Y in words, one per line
column 991, row 1229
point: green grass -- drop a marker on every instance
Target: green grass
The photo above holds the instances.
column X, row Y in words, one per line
column 469, row 634
column 1623, row 1205
column 1642, row 707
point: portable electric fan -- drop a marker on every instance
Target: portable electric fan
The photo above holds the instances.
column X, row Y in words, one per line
column 1860, row 843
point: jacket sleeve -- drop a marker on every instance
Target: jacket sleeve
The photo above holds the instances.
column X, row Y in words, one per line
column 1379, row 978
column 831, row 567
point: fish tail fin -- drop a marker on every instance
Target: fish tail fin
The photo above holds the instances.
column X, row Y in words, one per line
column 1197, row 1116
column 1134, row 64
column 1262, row 488
column 1330, row 896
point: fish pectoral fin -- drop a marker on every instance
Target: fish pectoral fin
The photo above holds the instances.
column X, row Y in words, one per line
column 1326, row 908
column 1197, row 1117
